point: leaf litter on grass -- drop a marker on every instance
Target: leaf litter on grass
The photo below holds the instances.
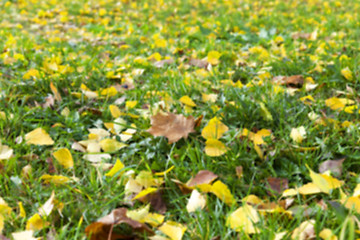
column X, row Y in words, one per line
column 250, row 107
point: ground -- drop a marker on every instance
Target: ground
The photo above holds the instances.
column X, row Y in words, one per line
column 179, row 119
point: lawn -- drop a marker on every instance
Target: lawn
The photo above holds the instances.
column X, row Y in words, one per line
column 179, row 119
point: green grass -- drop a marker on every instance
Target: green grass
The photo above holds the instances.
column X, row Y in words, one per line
column 89, row 47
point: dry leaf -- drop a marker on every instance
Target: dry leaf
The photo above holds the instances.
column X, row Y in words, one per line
column 196, row 201
column 335, row 166
column 295, row 81
column 116, row 168
column 102, row 228
column 305, row 231
column 222, row 192
column 202, row 177
column 162, row 63
column 214, row 129
column 198, row 63
column 24, row 235
column 278, row 185
column 48, row 206
column 172, row 126
column 325, row 182
column 38, row 137
column 298, row 134
column 5, row 152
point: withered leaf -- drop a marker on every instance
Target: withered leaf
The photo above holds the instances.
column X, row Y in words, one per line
column 202, row 177
column 295, row 81
column 102, row 229
column 157, row 202
column 278, row 185
column 335, row 166
column 51, row 167
column 162, row 63
column 198, row 63
column 172, row 126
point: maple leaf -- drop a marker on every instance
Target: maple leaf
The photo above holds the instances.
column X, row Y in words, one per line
column 172, row 126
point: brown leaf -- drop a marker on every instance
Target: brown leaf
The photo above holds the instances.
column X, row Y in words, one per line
column 49, row 101
column 299, row 35
column 335, row 166
column 2, row 237
column 198, row 63
column 239, row 171
column 202, row 177
column 291, row 81
column 162, row 63
column 51, row 167
column 172, row 126
column 278, row 185
column 102, row 229
column 157, row 202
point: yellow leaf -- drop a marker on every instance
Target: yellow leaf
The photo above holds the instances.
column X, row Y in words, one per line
column 209, row 97
column 111, row 145
column 64, row 157
column 327, row 234
column 265, row 112
column 55, row 179
column 215, row 148
column 4, row 207
column 31, row 73
column 222, row 192
column 36, row 223
column 243, row 219
column 116, row 168
column 214, row 129
column 38, row 137
column 164, row 172
column 115, row 111
column 2, row 220
column 346, row 72
column 55, row 92
column 154, row 219
column 187, row 101
column 298, row 134
column 324, row 182
column 5, row 152
column 352, row 203
column 22, row 212
column 173, row 230
column 196, row 201
column 130, row 104
column 308, row 189
column 213, row 57
column 138, row 214
column 145, row 192
column 109, row 92
column 252, row 199
column 338, row 103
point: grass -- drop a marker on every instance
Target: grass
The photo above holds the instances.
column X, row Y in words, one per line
column 101, row 44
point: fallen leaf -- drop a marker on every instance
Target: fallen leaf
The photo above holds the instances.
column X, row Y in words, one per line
column 187, row 101
column 213, row 57
column 222, row 192
column 347, row 74
column 327, row 234
column 5, row 152
column 198, row 63
column 55, row 92
column 36, row 223
column 24, row 235
column 295, row 81
column 305, row 231
column 278, row 185
column 214, row 148
column 239, row 171
column 173, row 230
column 111, row 145
column 243, row 219
column 196, row 201
column 145, row 192
column 102, row 228
column 338, row 103
column 64, row 157
column 162, row 63
column 96, row 158
column 55, row 179
column 115, row 169
column 298, row 134
column 172, row 126
column 324, row 182
column 38, row 137
column 214, row 129
column 335, row 166
column 202, row 177
column 48, row 206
